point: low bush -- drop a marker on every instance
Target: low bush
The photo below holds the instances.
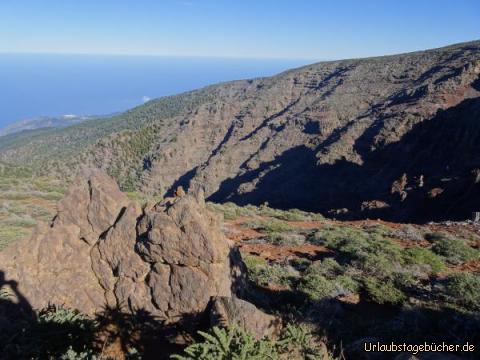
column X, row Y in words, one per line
column 56, row 333
column 274, row 274
column 284, row 239
column 262, row 273
column 422, row 256
column 455, row 251
column 295, row 342
column 270, row 226
column 356, row 244
column 316, row 286
column 464, row 289
column 327, row 278
column 232, row 211
column 328, row 267
column 383, row 292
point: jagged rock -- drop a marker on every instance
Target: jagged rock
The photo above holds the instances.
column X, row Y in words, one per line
column 179, row 192
column 227, row 311
column 373, row 204
column 93, row 205
column 53, row 266
column 433, row 193
column 104, row 250
column 398, row 186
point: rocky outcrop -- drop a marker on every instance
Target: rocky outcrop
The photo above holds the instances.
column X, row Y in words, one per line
column 102, row 249
column 227, row 311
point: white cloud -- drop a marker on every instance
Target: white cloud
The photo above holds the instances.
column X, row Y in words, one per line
column 146, row 98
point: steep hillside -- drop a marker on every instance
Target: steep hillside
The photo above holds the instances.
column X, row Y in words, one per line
column 44, row 122
column 393, row 137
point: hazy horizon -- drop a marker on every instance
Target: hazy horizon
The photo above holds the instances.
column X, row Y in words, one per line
column 36, row 85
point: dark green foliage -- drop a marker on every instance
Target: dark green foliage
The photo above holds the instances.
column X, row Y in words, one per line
column 327, row 278
column 357, row 244
column 289, row 239
column 232, row 211
column 455, row 250
column 424, row 256
column 383, row 292
column 234, row 343
column 51, row 334
column 464, row 289
column 295, row 343
column 316, row 287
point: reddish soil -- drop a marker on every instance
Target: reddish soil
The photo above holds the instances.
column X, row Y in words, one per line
column 406, row 244
column 274, row 252
column 307, row 224
column 469, row 266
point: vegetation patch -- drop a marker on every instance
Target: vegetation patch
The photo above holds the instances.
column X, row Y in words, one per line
column 24, row 201
column 383, row 292
column 455, row 251
column 464, row 289
column 296, row 343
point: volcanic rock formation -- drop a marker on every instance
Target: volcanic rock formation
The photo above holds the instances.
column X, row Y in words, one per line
column 170, row 260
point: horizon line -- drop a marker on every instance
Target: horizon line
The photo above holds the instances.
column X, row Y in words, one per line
column 163, row 55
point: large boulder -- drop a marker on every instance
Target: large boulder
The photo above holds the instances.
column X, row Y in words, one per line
column 102, row 250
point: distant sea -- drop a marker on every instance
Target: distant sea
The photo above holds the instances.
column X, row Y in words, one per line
column 52, row 85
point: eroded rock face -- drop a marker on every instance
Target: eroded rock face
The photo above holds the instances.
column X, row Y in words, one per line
column 227, row 311
column 103, row 250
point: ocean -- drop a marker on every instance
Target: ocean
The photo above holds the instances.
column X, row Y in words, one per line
column 53, row 85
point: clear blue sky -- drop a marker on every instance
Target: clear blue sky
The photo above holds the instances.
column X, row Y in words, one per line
column 310, row 29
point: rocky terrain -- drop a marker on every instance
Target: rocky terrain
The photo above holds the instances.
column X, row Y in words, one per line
column 108, row 276
column 102, row 250
column 333, row 192
column 393, row 137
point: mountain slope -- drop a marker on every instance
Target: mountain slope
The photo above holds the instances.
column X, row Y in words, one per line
column 332, row 135
column 44, row 122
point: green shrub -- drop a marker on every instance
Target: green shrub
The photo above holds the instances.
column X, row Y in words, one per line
column 436, row 236
column 295, row 342
column 347, row 285
column 233, row 343
column 273, row 274
column 464, row 289
column 328, row 267
column 262, row 273
column 422, row 256
column 252, row 261
column 287, row 239
column 378, row 265
column 455, row 251
column 316, row 287
column 300, row 263
column 383, row 292
column 357, row 244
column 232, row 211
column 55, row 332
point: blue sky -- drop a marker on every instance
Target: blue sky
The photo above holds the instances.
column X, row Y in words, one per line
column 309, row 29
